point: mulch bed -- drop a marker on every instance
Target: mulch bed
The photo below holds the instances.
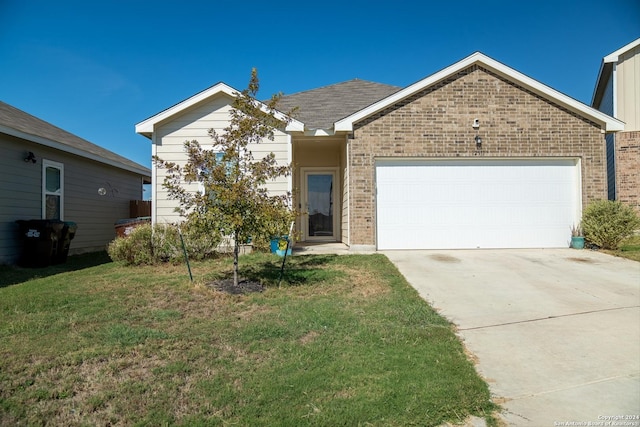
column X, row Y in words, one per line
column 244, row 286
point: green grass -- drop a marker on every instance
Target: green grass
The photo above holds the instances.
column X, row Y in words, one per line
column 344, row 341
column 630, row 248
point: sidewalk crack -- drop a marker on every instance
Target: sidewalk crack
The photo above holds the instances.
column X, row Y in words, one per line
column 547, row 318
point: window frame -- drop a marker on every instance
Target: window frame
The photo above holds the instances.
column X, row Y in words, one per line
column 219, row 155
column 46, row 163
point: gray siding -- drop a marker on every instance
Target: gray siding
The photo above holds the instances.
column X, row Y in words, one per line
column 606, row 106
column 610, row 139
column 21, row 195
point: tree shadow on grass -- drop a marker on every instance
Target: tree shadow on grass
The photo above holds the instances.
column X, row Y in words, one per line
column 298, row 270
column 12, row 275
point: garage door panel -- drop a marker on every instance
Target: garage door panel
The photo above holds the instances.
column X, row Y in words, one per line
column 476, row 203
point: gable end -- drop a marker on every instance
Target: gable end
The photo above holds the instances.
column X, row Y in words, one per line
column 479, row 105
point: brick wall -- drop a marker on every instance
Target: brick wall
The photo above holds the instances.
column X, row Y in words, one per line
column 437, row 123
column 628, row 168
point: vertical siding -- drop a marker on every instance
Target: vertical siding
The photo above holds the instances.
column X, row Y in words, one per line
column 21, row 195
column 628, row 89
column 194, row 124
column 606, row 106
column 611, row 165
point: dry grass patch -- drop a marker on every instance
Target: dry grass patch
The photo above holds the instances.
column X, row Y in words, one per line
column 308, row 337
column 343, row 340
column 364, row 284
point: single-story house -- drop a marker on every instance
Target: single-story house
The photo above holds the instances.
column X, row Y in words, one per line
column 477, row 155
column 617, row 93
column 49, row 173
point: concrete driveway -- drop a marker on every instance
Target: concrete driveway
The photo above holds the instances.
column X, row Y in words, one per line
column 556, row 332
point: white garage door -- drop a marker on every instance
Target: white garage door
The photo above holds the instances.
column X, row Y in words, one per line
column 462, row 204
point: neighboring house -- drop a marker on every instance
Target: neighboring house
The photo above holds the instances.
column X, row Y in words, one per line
column 476, row 155
column 49, row 173
column 617, row 93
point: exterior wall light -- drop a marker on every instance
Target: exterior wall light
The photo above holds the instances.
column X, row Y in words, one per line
column 30, row 157
column 478, row 141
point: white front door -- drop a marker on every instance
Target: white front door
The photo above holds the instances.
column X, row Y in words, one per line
column 319, row 204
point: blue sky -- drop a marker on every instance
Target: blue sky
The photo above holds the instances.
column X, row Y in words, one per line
column 97, row 68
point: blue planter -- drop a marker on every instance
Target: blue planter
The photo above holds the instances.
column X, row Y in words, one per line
column 577, row 242
column 279, row 245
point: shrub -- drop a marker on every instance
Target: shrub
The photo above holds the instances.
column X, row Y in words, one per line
column 200, row 242
column 606, row 223
column 161, row 243
column 135, row 249
column 166, row 245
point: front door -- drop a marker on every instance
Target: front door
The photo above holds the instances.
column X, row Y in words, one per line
column 320, row 203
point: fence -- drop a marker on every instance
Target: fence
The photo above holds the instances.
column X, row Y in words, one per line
column 138, row 208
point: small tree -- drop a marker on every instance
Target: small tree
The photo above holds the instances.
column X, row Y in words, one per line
column 234, row 200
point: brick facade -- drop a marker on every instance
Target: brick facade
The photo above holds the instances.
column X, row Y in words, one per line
column 627, row 154
column 437, row 123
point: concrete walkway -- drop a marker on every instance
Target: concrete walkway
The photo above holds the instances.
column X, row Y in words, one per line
column 556, row 332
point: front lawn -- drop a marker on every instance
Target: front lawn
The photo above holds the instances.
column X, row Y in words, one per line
column 630, row 248
column 344, row 341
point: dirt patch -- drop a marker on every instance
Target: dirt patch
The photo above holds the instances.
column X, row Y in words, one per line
column 444, row 258
column 243, row 286
column 308, row 337
column 581, row 260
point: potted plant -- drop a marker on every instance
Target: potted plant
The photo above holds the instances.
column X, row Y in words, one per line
column 577, row 237
column 279, row 228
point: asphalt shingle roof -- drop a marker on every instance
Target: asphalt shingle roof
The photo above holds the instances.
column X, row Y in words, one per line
column 320, row 108
column 21, row 121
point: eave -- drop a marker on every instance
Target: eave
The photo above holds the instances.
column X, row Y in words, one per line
column 606, row 68
column 147, row 127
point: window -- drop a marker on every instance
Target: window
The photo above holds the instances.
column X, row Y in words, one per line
column 205, row 172
column 52, row 190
